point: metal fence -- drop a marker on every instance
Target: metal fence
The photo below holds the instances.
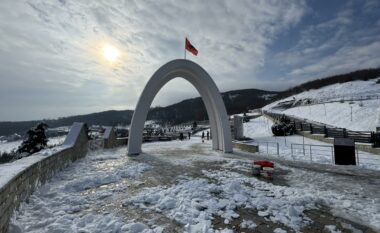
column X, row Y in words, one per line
column 312, row 153
column 269, row 148
column 309, row 150
column 347, row 98
column 329, row 131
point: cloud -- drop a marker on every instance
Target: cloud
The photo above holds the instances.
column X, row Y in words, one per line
column 344, row 59
column 49, row 50
column 335, row 45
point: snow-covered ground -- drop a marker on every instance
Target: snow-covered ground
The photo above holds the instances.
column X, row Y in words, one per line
column 260, row 130
column 365, row 113
column 69, row 202
column 184, row 186
column 9, row 146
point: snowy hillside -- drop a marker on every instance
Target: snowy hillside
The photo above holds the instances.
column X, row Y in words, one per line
column 9, row 146
column 335, row 104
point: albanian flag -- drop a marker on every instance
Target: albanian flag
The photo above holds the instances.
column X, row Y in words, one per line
column 191, row 48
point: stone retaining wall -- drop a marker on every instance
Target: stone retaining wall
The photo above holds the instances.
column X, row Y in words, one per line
column 246, row 147
column 109, row 137
column 20, row 178
column 121, row 141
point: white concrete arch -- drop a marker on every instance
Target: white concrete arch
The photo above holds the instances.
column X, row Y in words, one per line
column 201, row 80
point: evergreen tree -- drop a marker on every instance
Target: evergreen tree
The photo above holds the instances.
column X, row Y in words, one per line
column 35, row 142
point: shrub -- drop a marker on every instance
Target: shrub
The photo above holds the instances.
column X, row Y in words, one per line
column 6, row 157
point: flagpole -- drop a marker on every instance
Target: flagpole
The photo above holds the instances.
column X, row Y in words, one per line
column 185, row 49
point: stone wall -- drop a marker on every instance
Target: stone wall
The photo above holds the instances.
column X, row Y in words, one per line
column 246, row 147
column 108, row 140
column 20, row 178
column 237, row 127
column 109, row 137
column 121, row 141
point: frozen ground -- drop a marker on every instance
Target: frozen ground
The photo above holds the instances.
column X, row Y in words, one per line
column 186, row 187
column 260, row 130
column 9, row 146
column 365, row 113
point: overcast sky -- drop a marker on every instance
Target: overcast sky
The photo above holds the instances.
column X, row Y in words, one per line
column 51, row 61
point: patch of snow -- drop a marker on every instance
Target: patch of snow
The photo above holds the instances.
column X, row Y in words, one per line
column 350, row 227
column 194, row 201
column 267, row 96
column 332, row 229
column 9, row 146
column 56, row 140
column 89, row 222
column 248, row 224
column 279, row 230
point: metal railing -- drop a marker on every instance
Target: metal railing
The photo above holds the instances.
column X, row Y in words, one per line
column 269, row 148
column 320, row 153
column 329, row 131
column 309, row 150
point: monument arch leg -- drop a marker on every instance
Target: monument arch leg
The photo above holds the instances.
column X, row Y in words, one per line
column 201, row 80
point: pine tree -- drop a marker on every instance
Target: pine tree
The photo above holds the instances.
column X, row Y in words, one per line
column 35, row 142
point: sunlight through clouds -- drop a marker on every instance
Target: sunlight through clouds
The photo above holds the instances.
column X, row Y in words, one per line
column 68, row 46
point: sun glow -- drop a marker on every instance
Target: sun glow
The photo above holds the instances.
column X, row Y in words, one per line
column 110, row 53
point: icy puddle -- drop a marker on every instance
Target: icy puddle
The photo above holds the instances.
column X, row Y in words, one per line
column 186, row 187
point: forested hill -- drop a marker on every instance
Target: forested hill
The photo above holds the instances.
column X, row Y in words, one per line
column 193, row 109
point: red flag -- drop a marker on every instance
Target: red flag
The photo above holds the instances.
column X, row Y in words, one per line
column 191, row 48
